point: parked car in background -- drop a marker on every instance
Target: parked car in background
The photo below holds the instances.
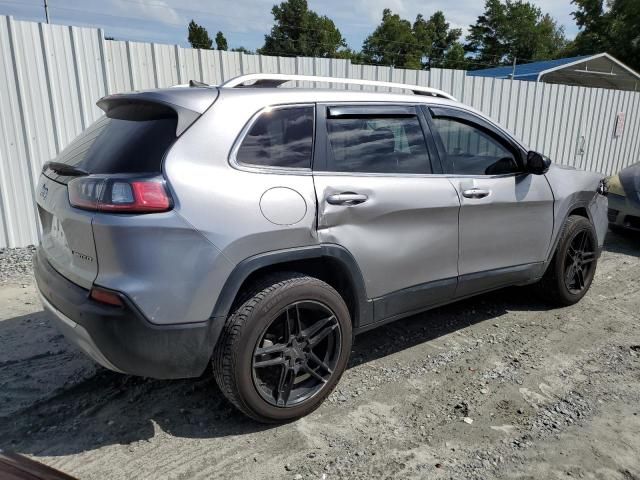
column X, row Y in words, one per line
column 259, row 228
column 624, row 198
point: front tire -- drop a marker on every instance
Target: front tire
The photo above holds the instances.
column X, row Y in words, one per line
column 284, row 348
column 573, row 266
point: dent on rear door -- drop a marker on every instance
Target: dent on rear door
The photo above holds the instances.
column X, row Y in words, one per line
column 405, row 234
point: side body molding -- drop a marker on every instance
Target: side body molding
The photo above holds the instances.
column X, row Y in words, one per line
column 242, row 271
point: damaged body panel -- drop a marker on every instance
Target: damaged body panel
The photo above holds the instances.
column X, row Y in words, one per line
column 574, row 191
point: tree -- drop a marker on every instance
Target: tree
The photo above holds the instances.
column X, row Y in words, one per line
column 242, row 50
column 221, row 42
column 392, row 43
column 485, row 38
column 436, row 40
column 594, row 24
column 455, row 57
column 615, row 30
column 551, row 40
column 198, row 36
column 512, row 30
column 300, row 31
column 625, row 32
column 425, row 44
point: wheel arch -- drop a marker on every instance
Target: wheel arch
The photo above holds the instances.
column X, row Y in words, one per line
column 579, row 207
column 329, row 262
column 579, row 210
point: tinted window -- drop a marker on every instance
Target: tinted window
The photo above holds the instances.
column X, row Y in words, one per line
column 132, row 139
column 377, row 145
column 279, row 138
column 471, row 151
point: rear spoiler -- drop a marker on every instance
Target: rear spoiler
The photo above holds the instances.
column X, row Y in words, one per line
column 188, row 103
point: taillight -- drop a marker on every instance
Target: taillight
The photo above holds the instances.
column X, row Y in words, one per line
column 125, row 195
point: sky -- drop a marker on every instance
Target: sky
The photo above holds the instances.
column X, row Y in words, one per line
column 245, row 22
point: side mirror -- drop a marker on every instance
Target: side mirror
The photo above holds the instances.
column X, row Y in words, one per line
column 537, row 163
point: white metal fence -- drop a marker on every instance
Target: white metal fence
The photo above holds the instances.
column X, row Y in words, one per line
column 52, row 75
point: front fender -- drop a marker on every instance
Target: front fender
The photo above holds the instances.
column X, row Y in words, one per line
column 576, row 190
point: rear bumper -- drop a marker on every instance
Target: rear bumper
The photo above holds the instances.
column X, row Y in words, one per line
column 120, row 338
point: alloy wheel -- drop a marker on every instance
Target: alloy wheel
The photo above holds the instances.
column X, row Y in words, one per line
column 579, row 261
column 297, row 353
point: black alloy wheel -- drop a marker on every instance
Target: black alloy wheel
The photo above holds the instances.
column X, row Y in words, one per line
column 579, row 262
column 573, row 266
column 284, row 348
column 297, row 353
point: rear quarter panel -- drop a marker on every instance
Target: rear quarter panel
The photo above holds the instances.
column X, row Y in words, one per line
column 224, row 203
column 167, row 268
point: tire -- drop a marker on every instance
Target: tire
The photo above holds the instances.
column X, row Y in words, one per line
column 297, row 371
column 555, row 286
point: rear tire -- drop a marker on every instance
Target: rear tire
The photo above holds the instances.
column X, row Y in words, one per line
column 573, row 266
column 284, row 347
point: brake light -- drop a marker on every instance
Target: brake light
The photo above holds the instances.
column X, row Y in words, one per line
column 107, row 194
column 105, row 296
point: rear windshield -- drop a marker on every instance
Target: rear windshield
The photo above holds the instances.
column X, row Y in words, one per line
column 132, row 138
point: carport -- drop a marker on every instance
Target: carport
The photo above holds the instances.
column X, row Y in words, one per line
column 601, row 71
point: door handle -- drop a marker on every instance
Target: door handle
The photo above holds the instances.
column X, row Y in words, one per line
column 475, row 193
column 347, row 198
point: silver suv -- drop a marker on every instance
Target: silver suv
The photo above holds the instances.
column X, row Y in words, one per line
column 258, row 228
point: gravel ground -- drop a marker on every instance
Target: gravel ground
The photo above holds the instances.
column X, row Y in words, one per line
column 15, row 264
column 499, row 386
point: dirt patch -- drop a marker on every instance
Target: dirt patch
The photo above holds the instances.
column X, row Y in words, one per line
column 499, row 386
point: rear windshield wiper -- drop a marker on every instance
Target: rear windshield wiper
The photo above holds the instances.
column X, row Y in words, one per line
column 65, row 169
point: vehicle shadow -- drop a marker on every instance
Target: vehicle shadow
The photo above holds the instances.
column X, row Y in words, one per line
column 106, row 408
column 86, row 407
column 626, row 242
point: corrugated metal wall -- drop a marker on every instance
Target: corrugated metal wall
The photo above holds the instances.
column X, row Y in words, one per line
column 52, row 75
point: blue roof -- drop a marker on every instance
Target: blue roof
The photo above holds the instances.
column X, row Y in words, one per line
column 525, row 71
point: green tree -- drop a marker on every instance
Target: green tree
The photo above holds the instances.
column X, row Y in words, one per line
column 221, row 42
column 436, row 40
column 242, row 50
column 614, row 29
column 392, row 43
column 594, row 24
column 352, row 55
column 300, row 31
column 485, row 38
column 455, row 57
column 514, row 29
column 198, row 36
column 625, row 32
column 551, row 41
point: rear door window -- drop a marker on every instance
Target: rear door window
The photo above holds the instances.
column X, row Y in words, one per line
column 280, row 137
column 377, row 143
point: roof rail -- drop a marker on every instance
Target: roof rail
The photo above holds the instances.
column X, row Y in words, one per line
column 273, row 80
